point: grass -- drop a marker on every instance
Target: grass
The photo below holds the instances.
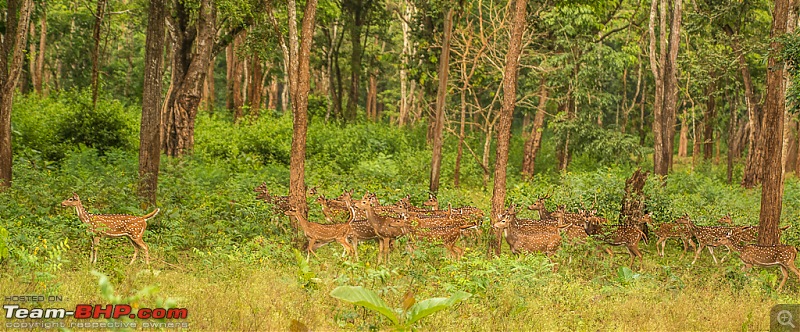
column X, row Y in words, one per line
column 226, row 257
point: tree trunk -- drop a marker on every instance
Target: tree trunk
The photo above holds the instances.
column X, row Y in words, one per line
column 150, row 133
column 32, row 53
column 230, row 63
column 633, row 201
column 664, row 108
column 301, row 82
column 98, row 24
column 441, row 100
column 358, row 10
column 671, row 85
column 534, row 141
column 237, row 76
column 17, row 16
column 255, row 86
column 683, row 140
column 708, row 119
column 774, row 108
column 507, row 112
column 787, row 117
column 188, row 74
column 208, row 89
column 40, row 74
column 404, row 94
column 272, row 93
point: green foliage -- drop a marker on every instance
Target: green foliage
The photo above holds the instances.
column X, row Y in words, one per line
column 409, row 316
column 305, row 275
column 3, row 244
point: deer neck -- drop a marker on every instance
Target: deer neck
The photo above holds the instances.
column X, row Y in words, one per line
column 82, row 214
column 303, row 222
column 371, row 216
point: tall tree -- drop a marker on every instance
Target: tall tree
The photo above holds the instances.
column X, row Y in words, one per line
column 39, row 82
column 98, row 26
column 507, row 112
column 192, row 32
column 299, row 82
column 534, row 140
column 441, row 100
column 150, row 133
column 772, row 129
column 664, row 69
column 12, row 48
column 358, row 11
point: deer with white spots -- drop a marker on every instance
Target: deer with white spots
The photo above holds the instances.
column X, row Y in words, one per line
column 752, row 254
column 113, row 225
column 526, row 237
column 322, row 234
column 707, row 236
column 673, row 230
column 627, row 235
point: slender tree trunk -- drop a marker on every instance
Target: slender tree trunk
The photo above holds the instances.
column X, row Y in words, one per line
column 671, row 83
column 255, row 86
column 441, row 100
column 787, row 117
column 507, row 112
column 683, row 140
column 708, row 119
column 272, row 103
column 534, row 140
column 404, row 94
column 301, row 84
column 774, row 108
column 230, row 63
column 237, row 76
column 14, row 38
column 40, row 74
column 656, row 66
column 98, row 24
column 358, row 13
column 32, row 53
column 208, row 89
column 150, row 133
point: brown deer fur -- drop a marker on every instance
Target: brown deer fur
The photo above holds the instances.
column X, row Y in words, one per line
column 113, row 225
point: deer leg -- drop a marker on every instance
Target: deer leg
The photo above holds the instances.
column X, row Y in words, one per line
column 785, row 276
column 663, row 243
column 697, row 252
column 135, row 251
column 347, row 248
column 146, row 250
column 95, row 243
column 793, row 268
column 711, row 250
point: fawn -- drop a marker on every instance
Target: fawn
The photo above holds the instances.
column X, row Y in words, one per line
column 628, row 235
column 322, row 234
column 676, row 229
column 573, row 229
column 113, row 225
column 751, row 254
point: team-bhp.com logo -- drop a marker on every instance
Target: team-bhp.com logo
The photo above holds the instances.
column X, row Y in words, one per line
column 35, row 317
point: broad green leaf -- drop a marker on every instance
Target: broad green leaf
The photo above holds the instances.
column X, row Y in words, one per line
column 430, row 306
column 366, row 298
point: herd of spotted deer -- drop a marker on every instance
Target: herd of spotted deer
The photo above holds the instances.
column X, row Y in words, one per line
column 350, row 221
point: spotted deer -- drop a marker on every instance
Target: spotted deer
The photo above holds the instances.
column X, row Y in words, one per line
column 380, row 224
column 749, row 234
column 528, row 238
column 706, row 236
column 322, row 234
column 539, row 206
column 362, row 228
column 673, row 230
column 572, row 228
column 627, row 235
column 334, row 209
column 448, row 234
column 113, row 225
column 432, row 202
column 752, row 254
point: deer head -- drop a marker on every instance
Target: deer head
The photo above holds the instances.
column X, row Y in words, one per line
column 72, row 201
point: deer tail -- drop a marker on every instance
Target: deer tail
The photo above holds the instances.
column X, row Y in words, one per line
column 151, row 214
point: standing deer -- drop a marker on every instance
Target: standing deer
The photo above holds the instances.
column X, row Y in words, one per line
column 380, row 224
column 628, row 235
column 677, row 229
column 707, row 236
column 751, row 254
column 113, row 225
column 322, row 234
column 539, row 206
column 528, row 238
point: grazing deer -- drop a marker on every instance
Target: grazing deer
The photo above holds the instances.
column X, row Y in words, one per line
column 751, row 254
column 706, row 236
column 628, row 235
column 447, row 233
column 113, row 225
column 674, row 230
column 380, row 224
column 322, row 234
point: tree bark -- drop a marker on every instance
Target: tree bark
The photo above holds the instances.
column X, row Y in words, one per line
column 404, row 94
column 708, row 119
column 255, row 86
column 192, row 53
column 774, row 108
column 18, row 14
column 236, row 76
column 358, row 9
column 507, row 111
column 683, row 140
column 98, row 24
column 301, row 80
column 208, row 89
column 40, row 74
column 150, row 133
column 534, row 141
column 441, row 100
